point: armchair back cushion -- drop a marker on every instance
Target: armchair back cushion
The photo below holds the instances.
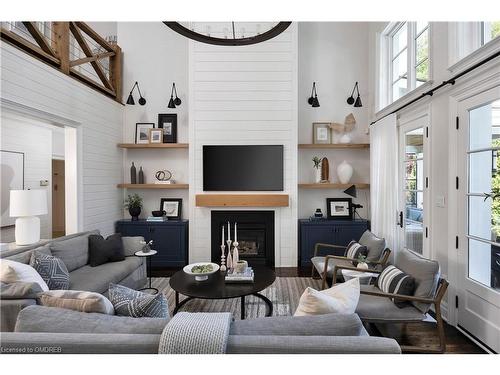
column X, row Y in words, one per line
column 374, row 244
column 425, row 272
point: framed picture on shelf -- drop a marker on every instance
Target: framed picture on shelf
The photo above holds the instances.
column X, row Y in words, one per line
column 172, row 208
column 168, row 122
column 142, row 132
column 339, row 208
column 321, row 133
column 155, row 136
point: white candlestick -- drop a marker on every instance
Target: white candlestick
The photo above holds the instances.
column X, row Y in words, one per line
column 222, row 243
column 228, row 231
column 235, row 233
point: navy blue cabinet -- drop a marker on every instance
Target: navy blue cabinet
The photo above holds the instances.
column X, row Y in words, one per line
column 335, row 232
column 170, row 239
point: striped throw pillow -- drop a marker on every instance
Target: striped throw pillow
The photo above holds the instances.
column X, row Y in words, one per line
column 354, row 250
column 393, row 280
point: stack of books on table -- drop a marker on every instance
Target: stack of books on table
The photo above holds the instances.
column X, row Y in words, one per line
column 157, row 218
column 234, row 277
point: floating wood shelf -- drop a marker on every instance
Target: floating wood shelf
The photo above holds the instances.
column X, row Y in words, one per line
column 242, row 200
column 335, row 145
column 153, row 186
column 332, row 186
column 153, row 145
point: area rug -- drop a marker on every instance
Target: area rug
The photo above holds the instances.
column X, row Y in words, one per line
column 284, row 294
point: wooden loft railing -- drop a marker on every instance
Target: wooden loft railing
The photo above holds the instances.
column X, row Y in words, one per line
column 72, row 47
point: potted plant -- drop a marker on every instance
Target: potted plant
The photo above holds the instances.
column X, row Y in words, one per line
column 134, row 205
column 317, row 167
column 362, row 262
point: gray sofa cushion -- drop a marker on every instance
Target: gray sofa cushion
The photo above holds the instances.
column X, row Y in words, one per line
column 425, row 272
column 311, row 345
column 25, row 257
column 317, row 325
column 374, row 244
column 97, row 279
column 74, row 252
column 381, row 309
column 57, row 320
column 131, row 245
column 319, row 264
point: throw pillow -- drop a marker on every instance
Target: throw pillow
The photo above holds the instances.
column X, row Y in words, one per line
column 88, row 302
column 52, row 270
column 354, row 250
column 130, row 302
column 341, row 298
column 393, row 280
column 105, row 250
column 13, row 272
column 19, row 290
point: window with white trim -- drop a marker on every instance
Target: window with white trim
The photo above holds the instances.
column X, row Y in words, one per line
column 489, row 31
column 407, row 49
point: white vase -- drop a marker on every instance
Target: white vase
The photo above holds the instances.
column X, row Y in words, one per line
column 317, row 175
column 344, row 171
column 346, row 138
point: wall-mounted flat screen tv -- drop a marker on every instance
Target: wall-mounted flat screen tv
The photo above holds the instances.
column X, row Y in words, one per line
column 243, row 168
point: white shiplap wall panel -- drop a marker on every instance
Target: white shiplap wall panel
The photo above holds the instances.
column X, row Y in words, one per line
column 29, row 82
column 244, row 95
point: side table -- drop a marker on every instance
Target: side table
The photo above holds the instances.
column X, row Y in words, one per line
column 148, row 255
column 364, row 277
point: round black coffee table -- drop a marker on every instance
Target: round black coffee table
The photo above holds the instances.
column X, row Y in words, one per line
column 216, row 288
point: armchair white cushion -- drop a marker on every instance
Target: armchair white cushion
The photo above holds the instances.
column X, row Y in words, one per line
column 341, row 298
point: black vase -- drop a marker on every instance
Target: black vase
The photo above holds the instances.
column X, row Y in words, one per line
column 134, row 212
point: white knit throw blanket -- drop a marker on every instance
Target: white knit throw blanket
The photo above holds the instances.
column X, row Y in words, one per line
column 196, row 333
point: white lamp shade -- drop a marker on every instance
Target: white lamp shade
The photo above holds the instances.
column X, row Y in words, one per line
column 28, row 202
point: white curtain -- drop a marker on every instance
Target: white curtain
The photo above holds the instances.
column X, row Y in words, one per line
column 384, row 180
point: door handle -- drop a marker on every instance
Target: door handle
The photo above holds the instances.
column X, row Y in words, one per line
column 400, row 223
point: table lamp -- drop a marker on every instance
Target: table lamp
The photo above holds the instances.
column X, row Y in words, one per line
column 26, row 205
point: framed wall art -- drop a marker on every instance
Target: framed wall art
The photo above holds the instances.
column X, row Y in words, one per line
column 339, row 208
column 142, row 132
column 168, row 122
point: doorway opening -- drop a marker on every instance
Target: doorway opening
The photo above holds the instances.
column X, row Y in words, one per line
column 58, row 198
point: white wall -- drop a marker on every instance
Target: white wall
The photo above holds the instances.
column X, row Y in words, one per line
column 245, row 95
column 27, row 82
column 334, row 55
column 155, row 56
column 34, row 139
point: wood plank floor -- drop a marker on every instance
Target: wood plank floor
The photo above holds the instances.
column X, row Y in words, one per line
column 415, row 334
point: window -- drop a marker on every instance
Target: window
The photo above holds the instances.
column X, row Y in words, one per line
column 489, row 31
column 408, row 50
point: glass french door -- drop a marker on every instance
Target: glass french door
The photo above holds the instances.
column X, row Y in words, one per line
column 479, row 217
column 413, row 182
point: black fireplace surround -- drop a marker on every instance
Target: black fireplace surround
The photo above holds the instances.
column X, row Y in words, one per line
column 255, row 235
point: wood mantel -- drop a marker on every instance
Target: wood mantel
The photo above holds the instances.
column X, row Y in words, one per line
column 242, row 200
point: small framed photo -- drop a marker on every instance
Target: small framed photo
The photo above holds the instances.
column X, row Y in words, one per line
column 321, row 133
column 155, row 136
column 172, row 208
column 142, row 132
column 168, row 122
column 339, row 208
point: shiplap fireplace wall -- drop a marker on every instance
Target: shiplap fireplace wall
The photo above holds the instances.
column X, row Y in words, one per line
column 244, row 95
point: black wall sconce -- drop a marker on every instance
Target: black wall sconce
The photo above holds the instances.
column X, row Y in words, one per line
column 130, row 100
column 172, row 103
column 313, row 100
column 357, row 102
